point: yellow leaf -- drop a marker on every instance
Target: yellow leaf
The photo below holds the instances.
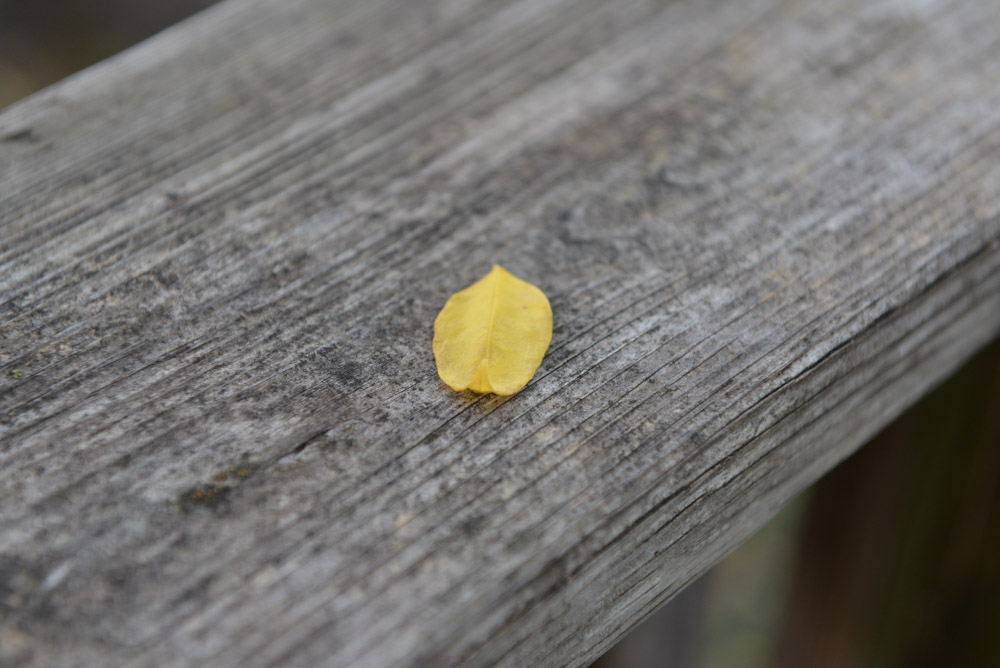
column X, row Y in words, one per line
column 491, row 336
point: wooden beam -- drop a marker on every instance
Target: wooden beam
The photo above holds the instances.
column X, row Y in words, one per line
column 765, row 228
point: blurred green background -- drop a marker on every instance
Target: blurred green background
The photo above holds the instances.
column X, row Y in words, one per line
column 893, row 559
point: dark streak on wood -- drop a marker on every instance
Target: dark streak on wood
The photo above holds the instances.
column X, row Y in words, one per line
column 24, row 135
column 765, row 228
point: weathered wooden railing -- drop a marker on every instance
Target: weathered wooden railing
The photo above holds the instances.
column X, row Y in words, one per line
column 766, row 228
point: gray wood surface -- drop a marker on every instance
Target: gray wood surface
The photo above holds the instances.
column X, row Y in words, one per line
column 765, row 228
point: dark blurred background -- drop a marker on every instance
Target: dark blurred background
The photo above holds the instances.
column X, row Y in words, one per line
column 893, row 559
column 42, row 41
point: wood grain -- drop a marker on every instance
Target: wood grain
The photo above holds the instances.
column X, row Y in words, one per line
column 765, row 227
